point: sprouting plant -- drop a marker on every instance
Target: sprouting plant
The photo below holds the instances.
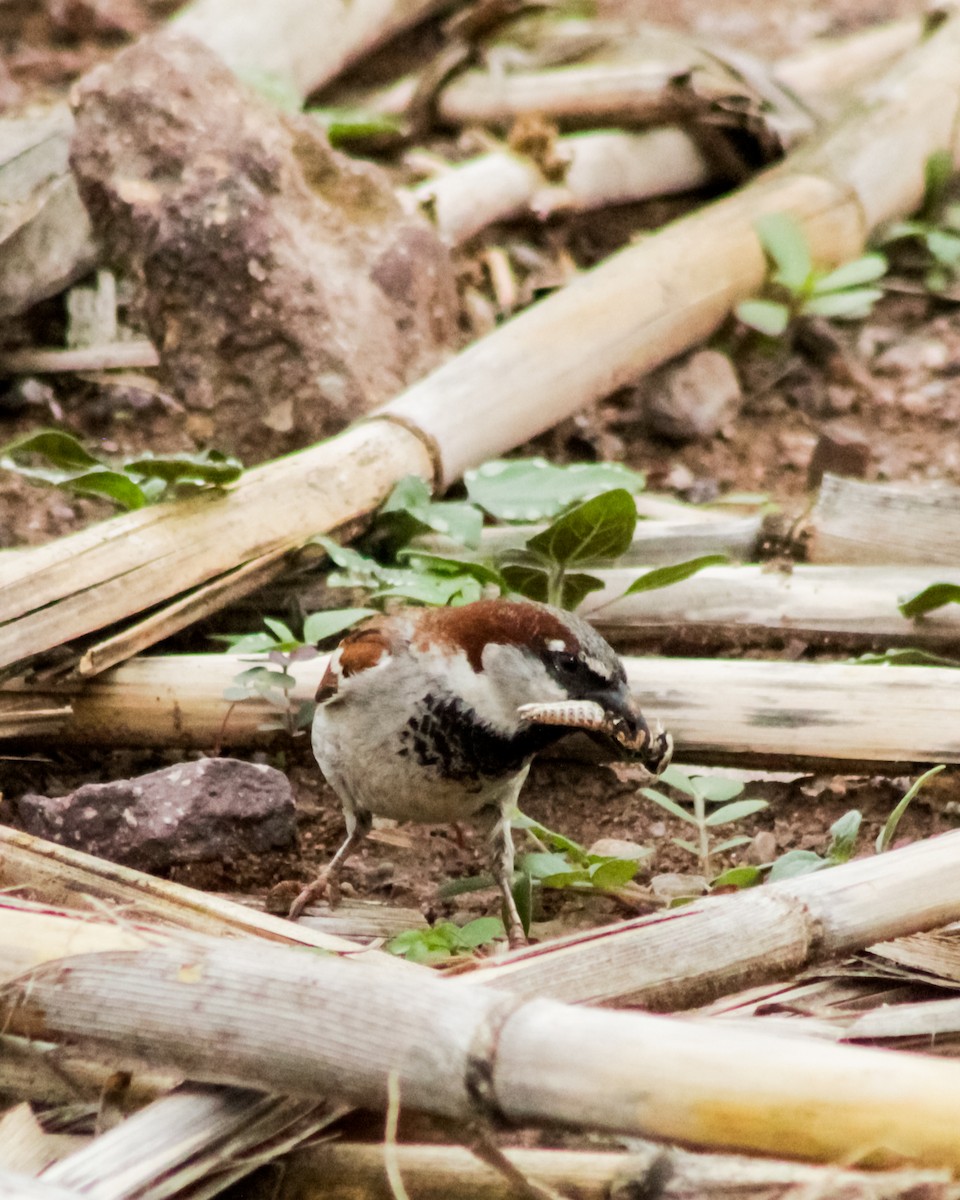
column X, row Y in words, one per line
column 56, row 458
column 797, row 288
column 930, row 241
column 889, row 831
column 701, row 791
column 445, row 940
column 930, row 598
column 271, row 680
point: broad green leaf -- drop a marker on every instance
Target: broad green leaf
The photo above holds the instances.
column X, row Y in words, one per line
column 735, row 811
column 420, row 560
column 930, row 598
column 532, row 489
column 522, row 892
column 281, row 631
column 60, row 449
column 661, row 577
column 322, row 625
column 850, row 305
column 898, row 230
column 425, row 588
column 668, row 805
column 613, row 873
column 359, row 565
column 889, row 831
column 852, row 274
column 237, row 693
column 690, row 847
column 945, row 247
column 786, row 244
column 110, row 484
column 768, row 317
column 551, row 837
column 247, row 643
column 678, row 779
column 211, row 468
column 410, row 510
column 716, row 789
column 575, row 587
column 543, row 865
column 794, row 863
column 599, row 528
column 480, row 931
column 737, row 877
column 843, row 836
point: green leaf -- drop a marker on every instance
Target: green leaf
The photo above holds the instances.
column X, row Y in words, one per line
column 889, row 831
column 668, row 805
column 522, row 892
column 715, row 788
column 730, row 843
column 899, row 230
column 480, row 931
column 735, row 812
column 346, row 125
column 613, row 873
column 248, row 643
column 937, row 173
column 844, row 832
column 661, row 577
column 322, row 625
column 768, row 317
column 282, row 632
column 526, row 579
column 738, row 877
column 680, row 780
column 685, row 845
column 532, row 489
column 852, row 274
column 850, row 305
column 207, row 469
column 945, row 247
column 421, row 560
column 544, row 865
column 575, row 588
column 110, row 484
column 424, row 588
column 794, row 863
column 60, row 449
column 600, row 528
column 908, row 656
column 786, row 244
column 558, row 841
column 936, row 595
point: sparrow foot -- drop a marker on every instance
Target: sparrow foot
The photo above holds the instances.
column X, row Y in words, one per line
column 326, row 884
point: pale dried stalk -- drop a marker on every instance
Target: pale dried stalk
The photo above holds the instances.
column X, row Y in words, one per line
column 346, row 1170
column 140, row 353
column 338, row 1028
column 195, row 1141
column 849, row 605
column 870, row 523
column 102, row 574
column 738, row 711
column 635, row 311
column 60, row 875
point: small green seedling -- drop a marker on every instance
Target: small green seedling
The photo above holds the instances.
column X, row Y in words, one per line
column 930, row 598
column 443, row 941
column 796, row 288
column 905, row 656
column 843, row 841
column 889, row 831
column 57, row 459
column 702, row 791
column 930, row 241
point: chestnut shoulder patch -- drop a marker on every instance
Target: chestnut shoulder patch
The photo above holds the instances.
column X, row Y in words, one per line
column 470, row 627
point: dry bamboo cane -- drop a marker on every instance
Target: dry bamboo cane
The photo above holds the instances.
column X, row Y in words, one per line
column 347, row 1170
column 338, row 1028
column 845, row 605
column 739, row 711
column 870, row 524
column 636, row 310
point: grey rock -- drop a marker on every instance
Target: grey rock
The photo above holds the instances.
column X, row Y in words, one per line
column 691, row 399
column 216, row 809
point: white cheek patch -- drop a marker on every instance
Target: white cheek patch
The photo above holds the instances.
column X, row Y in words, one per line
column 598, row 668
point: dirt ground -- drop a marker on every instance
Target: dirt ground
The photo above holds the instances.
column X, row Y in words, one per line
column 907, row 413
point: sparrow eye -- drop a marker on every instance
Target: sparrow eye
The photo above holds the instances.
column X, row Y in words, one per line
column 568, row 664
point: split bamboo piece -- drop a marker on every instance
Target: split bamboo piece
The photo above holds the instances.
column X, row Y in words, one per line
column 348, row 1170
column 844, row 605
column 339, row 1028
column 63, row 876
column 744, row 712
column 634, row 311
column 195, row 1142
column 870, row 523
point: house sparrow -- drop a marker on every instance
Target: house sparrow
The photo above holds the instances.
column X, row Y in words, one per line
column 434, row 714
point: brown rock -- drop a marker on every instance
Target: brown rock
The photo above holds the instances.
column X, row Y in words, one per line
column 284, row 285
column 691, row 399
column 215, row 809
column 839, row 451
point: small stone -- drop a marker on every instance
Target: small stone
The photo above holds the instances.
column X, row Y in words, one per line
column 840, row 450
column 619, row 848
column 763, row 848
column 215, row 809
column 673, row 886
column 692, row 399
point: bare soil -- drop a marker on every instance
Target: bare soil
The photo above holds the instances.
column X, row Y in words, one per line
column 907, row 413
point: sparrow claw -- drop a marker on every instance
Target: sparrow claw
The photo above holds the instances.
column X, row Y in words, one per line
column 325, row 883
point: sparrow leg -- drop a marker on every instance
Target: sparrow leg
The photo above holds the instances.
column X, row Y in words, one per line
column 358, row 826
column 501, row 836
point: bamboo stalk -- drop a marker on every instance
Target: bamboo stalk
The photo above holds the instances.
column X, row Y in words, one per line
column 877, row 524
column 689, row 956
column 195, row 1141
column 846, row 605
column 719, row 710
column 348, row 1170
column 636, row 310
column 60, row 875
column 458, row 1051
